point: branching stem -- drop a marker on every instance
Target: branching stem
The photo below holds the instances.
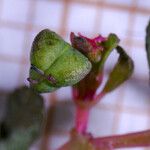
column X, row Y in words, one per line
column 139, row 139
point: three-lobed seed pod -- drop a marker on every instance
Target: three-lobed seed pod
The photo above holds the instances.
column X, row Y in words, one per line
column 55, row 63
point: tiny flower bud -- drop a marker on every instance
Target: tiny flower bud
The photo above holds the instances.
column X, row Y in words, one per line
column 92, row 48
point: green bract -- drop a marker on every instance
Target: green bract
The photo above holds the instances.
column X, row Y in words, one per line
column 55, row 63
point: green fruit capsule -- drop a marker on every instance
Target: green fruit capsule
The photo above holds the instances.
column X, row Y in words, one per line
column 55, row 63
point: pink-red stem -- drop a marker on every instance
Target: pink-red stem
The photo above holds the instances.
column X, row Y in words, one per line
column 82, row 116
column 139, row 139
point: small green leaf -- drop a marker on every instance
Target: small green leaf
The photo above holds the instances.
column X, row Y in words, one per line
column 121, row 72
column 109, row 45
column 148, row 43
column 55, row 63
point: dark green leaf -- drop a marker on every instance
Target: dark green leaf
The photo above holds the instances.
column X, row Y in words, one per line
column 121, row 72
column 148, row 43
column 24, row 119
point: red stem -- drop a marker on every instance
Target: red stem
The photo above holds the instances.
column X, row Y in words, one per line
column 139, row 139
column 82, row 116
